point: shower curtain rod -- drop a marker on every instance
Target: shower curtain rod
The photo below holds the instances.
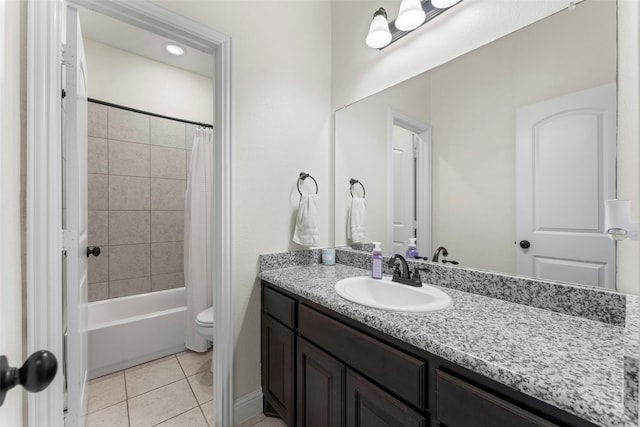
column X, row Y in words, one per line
column 109, row 104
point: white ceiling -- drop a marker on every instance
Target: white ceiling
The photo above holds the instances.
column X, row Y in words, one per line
column 120, row 35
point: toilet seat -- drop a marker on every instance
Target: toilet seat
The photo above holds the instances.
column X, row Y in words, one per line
column 205, row 318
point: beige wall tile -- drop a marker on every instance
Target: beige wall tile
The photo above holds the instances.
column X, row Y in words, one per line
column 97, row 120
column 106, row 391
column 98, row 226
column 97, row 155
column 98, row 291
column 129, row 193
column 113, row 416
column 167, row 194
column 167, row 226
column 168, row 133
column 128, row 126
column 128, row 158
column 129, row 227
column 192, row 418
column 123, row 288
column 161, row 404
column 99, row 266
column 167, row 257
column 168, row 163
column 167, row 281
column 202, row 386
column 128, row 261
column 151, row 376
column 97, row 192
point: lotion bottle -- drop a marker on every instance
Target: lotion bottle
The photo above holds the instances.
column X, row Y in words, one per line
column 412, row 249
column 376, row 261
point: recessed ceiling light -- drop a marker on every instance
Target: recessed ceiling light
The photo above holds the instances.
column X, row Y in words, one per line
column 174, row 49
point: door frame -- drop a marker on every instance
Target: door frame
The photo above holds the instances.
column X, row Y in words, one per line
column 423, row 177
column 43, row 187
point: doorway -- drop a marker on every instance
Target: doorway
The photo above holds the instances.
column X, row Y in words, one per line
column 44, row 284
column 409, row 168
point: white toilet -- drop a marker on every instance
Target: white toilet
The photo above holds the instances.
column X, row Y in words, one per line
column 204, row 323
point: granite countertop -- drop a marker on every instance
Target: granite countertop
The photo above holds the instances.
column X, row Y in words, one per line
column 573, row 363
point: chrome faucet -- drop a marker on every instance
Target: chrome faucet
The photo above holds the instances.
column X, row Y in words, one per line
column 401, row 273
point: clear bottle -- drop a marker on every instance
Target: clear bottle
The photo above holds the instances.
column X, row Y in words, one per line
column 376, row 261
column 412, row 249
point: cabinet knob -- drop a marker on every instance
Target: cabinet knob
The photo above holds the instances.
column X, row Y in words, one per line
column 35, row 375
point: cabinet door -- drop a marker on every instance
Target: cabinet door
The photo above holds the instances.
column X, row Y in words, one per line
column 321, row 382
column 278, row 356
column 370, row 406
column 460, row 404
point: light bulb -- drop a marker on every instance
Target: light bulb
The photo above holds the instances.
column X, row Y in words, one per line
column 410, row 16
column 443, row 4
column 174, row 49
column 379, row 35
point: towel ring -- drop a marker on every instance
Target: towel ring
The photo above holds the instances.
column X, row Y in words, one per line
column 353, row 182
column 303, row 176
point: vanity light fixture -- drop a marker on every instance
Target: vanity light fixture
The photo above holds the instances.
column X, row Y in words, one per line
column 174, row 49
column 443, row 4
column 617, row 220
column 411, row 15
column 379, row 35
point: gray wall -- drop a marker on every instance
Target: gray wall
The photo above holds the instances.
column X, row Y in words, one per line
column 137, row 179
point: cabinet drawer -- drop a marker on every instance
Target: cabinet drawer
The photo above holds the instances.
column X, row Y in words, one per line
column 460, row 404
column 279, row 307
column 398, row 372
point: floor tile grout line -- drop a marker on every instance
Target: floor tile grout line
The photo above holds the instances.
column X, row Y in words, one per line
column 203, row 414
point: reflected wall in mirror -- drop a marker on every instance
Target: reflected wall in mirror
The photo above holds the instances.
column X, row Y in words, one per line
column 465, row 169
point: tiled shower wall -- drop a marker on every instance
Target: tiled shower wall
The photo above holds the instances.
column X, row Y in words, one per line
column 137, row 179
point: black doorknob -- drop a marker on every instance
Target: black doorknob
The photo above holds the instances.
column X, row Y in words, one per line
column 95, row 251
column 35, row 375
column 525, row 244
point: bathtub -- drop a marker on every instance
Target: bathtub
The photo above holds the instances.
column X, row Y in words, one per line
column 127, row 331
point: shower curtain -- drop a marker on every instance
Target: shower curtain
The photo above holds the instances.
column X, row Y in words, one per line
column 197, row 235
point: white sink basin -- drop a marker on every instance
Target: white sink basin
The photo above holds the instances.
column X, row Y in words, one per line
column 388, row 295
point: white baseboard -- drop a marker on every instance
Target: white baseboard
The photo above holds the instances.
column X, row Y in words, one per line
column 247, row 407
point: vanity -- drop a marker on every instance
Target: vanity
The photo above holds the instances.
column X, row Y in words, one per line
column 482, row 362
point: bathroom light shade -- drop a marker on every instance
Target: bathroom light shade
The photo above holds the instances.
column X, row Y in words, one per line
column 379, row 35
column 410, row 16
column 443, row 4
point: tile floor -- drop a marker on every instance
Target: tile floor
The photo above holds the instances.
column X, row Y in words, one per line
column 175, row 391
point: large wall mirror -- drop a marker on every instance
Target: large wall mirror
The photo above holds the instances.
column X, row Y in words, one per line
column 504, row 155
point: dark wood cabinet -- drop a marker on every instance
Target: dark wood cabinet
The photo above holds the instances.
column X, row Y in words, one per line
column 322, row 369
column 370, row 406
column 453, row 392
column 278, row 356
column 321, row 384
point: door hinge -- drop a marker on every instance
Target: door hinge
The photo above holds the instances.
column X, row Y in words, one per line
column 67, row 240
column 415, row 150
column 68, row 58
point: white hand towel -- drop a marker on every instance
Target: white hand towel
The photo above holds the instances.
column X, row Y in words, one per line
column 358, row 219
column 306, row 232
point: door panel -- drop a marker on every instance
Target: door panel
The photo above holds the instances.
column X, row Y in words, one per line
column 403, row 190
column 75, row 221
column 565, row 170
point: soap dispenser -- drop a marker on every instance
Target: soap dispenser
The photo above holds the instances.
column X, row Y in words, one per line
column 412, row 249
column 376, row 261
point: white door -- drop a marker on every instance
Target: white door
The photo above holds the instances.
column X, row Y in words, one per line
column 404, row 189
column 75, row 221
column 565, row 169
